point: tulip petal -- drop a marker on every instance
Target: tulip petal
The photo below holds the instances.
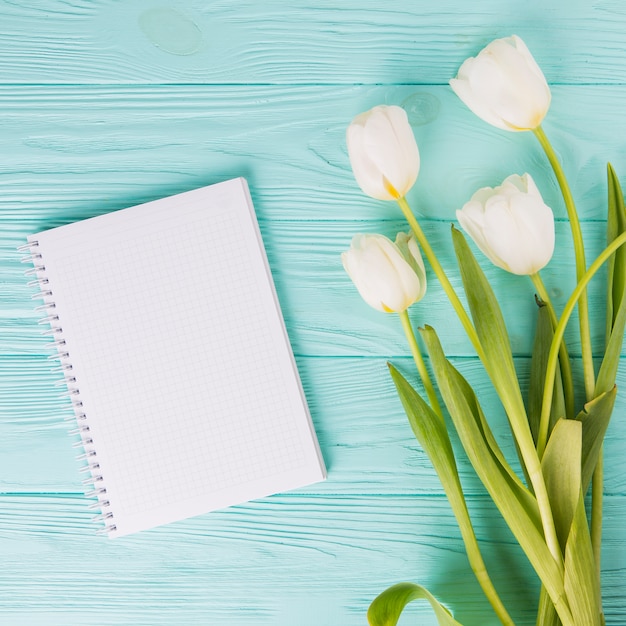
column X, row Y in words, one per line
column 366, row 172
column 464, row 91
column 526, row 84
column 521, row 234
column 532, row 65
column 500, row 90
column 384, row 279
column 407, row 285
column 507, row 242
column 515, row 184
column 528, row 185
column 418, row 266
column 407, row 146
column 382, row 146
column 383, row 152
column 511, row 225
column 504, row 86
column 377, row 284
column 407, row 244
column 472, row 220
column 482, row 195
column 536, row 221
column 350, row 263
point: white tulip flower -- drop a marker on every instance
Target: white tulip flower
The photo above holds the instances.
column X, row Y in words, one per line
column 511, row 224
column 383, row 152
column 389, row 276
column 504, row 86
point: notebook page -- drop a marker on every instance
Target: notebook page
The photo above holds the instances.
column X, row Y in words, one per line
column 180, row 355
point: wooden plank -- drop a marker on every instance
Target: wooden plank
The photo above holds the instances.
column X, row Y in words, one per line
column 220, row 561
column 363, row 432
column 72, row 152
column 323, row 311
column 274, row 42
column 232, row 95
column 266, row 562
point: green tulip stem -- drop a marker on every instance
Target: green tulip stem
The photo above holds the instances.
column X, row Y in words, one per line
column 585, row 339
column 559, row 331
column 566, row 367
column 581, row 266
column 443, row 279
column 419, row 362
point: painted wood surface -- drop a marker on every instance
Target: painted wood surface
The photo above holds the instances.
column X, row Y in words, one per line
column 221, row 42
column 106, row 104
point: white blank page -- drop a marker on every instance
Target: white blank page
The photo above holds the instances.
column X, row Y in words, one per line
column 180, row 355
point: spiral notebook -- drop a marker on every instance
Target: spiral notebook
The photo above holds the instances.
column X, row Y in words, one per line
column 166, row 326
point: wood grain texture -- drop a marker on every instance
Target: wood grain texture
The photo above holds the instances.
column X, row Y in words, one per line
column 363, row 432
column 267, row 562
column 105, row 104
column 75, row 151
column 176, row 41
column 323, row 311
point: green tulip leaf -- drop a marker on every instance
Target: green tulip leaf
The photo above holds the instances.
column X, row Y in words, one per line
column 607, row 373
column 459, row 393
column 595, row 418
column 516, row 504
column 430, row 430
column 492, row 334
column 546, row 613
column 616, row 283
column 616, row 266
column 385, row 610
column 561, row 467
column 541, row 348
column 581, row 586
column 485, row 309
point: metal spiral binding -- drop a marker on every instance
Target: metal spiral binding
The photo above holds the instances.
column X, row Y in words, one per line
column 94, row 483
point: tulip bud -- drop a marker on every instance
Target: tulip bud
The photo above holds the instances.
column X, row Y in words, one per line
column 511, row 225
column 383, row 152
column 504, row 86
column 389, row 276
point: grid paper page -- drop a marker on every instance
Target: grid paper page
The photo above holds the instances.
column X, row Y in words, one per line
column 179, row 351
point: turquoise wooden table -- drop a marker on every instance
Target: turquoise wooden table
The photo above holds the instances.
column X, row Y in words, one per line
column 106, row 104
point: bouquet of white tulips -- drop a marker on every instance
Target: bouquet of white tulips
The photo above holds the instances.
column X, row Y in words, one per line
column 559, row 444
